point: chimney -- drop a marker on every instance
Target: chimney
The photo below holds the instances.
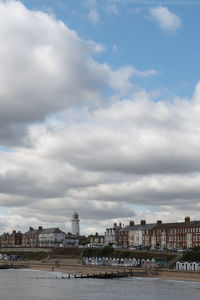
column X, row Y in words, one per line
column 187, row 219
column 30, row 228
column 115, row 225
column 120, row 225
column 131, row 223
column 159, row 222
column 40, row 228
column 14, row 231
column 143, row 222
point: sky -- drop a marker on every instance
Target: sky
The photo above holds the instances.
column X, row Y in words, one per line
column 99, row 112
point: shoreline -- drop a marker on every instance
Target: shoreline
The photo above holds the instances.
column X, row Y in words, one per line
column 74, row 267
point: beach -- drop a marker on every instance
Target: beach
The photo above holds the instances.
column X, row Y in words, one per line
column 74, row 266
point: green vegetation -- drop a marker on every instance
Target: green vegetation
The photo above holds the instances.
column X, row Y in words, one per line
column 31, row 255
column 193, row 255
column 108, row 251
column 99, row 252
column 69, row 252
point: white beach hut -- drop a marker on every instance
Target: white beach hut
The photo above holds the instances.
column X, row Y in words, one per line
column 188, row 266
column 180, row 265
column 134, row 262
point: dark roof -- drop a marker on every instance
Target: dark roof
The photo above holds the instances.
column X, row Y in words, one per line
column 177, row 224
column 43, row 231
column 138, row 227
column 31, row 232
column 51, row 230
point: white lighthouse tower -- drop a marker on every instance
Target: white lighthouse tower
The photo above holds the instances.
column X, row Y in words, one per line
column 75, row 224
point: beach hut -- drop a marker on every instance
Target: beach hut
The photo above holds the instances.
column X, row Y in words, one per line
column 110, row 261
column 99, row 261
column 106, row 261
column 138, row 263
column 153, row 263
column 118, row 261
column 125, row 262
column 188, row 266
column 180, row 265
column 148, row 263
column 114, row 262
column 134, row 262
column 143, row 263
column 196, row 266
column 89, row 261
column 130, row 264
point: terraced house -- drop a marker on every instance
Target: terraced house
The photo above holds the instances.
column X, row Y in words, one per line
column 179, row 235
column 136, row 235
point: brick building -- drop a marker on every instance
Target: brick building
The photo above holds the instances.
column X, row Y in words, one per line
column 11, row 240
column 95, row 239
column 179, row 235
column 31, row 237
column 136, row 235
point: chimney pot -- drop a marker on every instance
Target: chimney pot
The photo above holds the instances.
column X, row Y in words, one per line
column 143, row 222
column 159, row 222
column 131, row 223
column 187, row 219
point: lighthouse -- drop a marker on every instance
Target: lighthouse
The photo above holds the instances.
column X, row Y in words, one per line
column 75, row 224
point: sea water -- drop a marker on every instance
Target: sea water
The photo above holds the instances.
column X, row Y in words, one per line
column 41, row 285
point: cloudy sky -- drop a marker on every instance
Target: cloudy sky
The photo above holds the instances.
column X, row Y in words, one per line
column 99, row 112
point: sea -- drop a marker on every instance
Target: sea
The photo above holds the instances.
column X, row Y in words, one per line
column 42, row 285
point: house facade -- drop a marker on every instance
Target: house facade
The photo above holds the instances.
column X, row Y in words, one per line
column 136, row 235
column 31, row 237
column 180, row 235
column 11, row 240
column 51, row 237
column 111, row 236
column 95, row 239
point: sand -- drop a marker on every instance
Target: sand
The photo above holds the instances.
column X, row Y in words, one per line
column 74, row 266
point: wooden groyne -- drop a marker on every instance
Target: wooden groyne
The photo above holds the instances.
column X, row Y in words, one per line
column 111, row 275
column 13, row 266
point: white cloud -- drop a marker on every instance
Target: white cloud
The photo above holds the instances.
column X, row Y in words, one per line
column 166, row 19
column 144, row 74
column 121, row 158
column 115, row 48
column 108, row 162
column 93, row 16
column 111, row 7
column 51, row 68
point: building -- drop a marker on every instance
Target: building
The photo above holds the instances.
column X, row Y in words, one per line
column 11, row 240
column 75, row 229
column 140, row 235
column 71, row 240
column 51, row 237
column 179, row 235
column 4, row 238
column 95, row 239
column 15, row 239
column 31, row 237
column 135, row 235
column 111, row 236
